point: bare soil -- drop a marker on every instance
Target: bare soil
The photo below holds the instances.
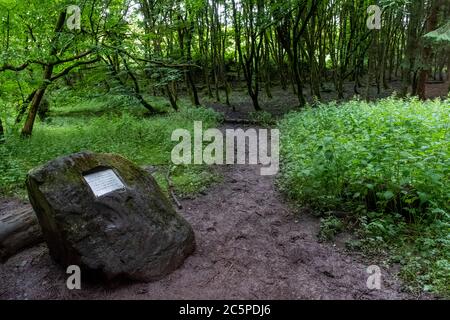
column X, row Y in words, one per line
column 284, row 101
column 250, row 245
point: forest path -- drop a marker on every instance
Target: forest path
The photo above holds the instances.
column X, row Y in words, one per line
column 250, row 245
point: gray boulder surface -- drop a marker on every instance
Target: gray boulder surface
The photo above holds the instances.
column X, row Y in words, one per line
column 133, row 232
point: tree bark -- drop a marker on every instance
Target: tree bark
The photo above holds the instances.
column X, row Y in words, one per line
column 24, row 106
column 19, row 228
column 427, row 51
column 172, row 98
column 48, row 71
column 29, row 123
column 415, row 8
column 448, row 71
column 2, row 131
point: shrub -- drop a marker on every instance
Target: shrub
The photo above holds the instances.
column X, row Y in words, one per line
column 144, row 140
column 386, row 162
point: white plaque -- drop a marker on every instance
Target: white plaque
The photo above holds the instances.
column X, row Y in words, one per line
column 103, row 182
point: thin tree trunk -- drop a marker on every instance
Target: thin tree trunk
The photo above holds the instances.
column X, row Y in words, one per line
column 48, row 71
column 24, row 107
column 427, row 51
column 448, row 72
column 195, row 97
column 172, row 99
column 29, row 123
column 411, row 47
column 2, row 132
column 196, row 100
column 137, row 89
column 448, row 67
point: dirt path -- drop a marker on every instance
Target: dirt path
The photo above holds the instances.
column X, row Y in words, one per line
column 250, row 245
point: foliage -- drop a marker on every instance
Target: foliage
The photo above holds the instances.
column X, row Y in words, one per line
column 262, row 118
column 388, row 163
column 330, row 227
column 90, row 125
column 440, row 35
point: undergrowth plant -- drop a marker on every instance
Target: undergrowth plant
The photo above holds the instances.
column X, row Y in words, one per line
column 108, row 124
column 388, row 165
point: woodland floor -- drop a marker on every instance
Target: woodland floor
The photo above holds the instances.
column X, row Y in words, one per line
column 251, row 244
column 284, row 101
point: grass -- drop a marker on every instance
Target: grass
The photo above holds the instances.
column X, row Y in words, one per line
column 387, row 164
column 384, row 164
column 111, row 124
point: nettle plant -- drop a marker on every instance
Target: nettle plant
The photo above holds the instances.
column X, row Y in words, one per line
column 385, row 168
column 389, row 157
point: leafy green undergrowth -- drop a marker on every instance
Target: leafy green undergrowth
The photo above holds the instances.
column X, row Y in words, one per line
column 113, row 126
column 63, row 103
column 329, row 228
column 262, row 118
column 387, row 164
column 187, row 180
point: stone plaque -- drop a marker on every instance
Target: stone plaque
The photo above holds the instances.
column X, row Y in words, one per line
column 105, row 214
column 103, row 182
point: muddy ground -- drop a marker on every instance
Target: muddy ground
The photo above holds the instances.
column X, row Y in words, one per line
column 284, row 101
column 251, row 244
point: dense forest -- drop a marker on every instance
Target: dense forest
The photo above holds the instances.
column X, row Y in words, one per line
column 359, row 90
column 172, row 46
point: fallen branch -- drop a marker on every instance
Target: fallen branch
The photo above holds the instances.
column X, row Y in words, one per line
column 19, row 229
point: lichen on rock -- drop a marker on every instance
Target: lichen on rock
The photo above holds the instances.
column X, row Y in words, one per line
column 133, row 232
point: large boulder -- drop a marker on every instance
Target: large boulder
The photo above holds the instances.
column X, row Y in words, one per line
column 108, row 216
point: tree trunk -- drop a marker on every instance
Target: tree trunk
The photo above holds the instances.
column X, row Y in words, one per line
column 427, row 51
column 24, row 106
column 2, row 131
column 172, row 99
column 195, row 98
column 448, row 72
column 448, row 67
column 255, row 101
column 19, row 228
column 370, row 67
column 29, row 123
column 415, row 8
column 48, row 71
column 137, row 89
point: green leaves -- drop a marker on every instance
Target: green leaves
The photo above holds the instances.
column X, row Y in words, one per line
column 388, row 195
column 440, row 35
column 388, row 163
column 8, row 4
column 364, row 148
column 105, row 124
column 329, row 155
